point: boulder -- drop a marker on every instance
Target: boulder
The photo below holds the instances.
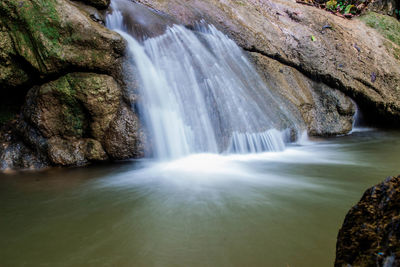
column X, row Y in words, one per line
column 124, row 138
column 325, row 111
column 47, row 39
column 370, row 234
column 68, row 119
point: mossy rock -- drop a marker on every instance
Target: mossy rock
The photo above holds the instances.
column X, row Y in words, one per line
column 75, row 105
column 48, row 37
column 71, row 116
column 388, row 26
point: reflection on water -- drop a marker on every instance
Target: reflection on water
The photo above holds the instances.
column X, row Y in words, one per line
column 270, row 209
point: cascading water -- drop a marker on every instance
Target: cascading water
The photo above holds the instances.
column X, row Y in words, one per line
column 199, row 93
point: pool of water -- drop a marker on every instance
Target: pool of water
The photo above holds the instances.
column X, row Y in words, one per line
column 270, row 209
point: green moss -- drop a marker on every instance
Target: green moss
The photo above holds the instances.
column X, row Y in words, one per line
column 72, row 116
column 240, row 3
column 34, row 28
column 389, row 27
column 395, row 50
column 41, row 17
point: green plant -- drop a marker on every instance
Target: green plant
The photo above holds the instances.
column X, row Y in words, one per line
column 341, row 6
column 349, row 9
column 331, row 5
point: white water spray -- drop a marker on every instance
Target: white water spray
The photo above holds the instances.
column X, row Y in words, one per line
column 199, row 93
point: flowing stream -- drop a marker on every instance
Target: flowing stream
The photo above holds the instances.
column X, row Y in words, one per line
column 269, row 209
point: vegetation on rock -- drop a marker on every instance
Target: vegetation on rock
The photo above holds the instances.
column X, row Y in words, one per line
column 69, row 68
column 349, row 8
column 388, row 27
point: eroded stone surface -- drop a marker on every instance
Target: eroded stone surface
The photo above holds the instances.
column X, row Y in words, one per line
column 370, row 234
column 344, row 54
column 50, row 38
column 325, row 111
column 67, row 119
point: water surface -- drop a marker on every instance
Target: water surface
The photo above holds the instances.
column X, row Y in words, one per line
column 271, row 209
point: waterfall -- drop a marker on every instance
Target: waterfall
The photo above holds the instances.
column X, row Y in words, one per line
column 358, row 121
column 199, row 93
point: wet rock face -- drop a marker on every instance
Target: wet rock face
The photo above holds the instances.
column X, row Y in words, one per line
column 70, row 66
column 123, row 139
column 325, row 111
column 370, row 235
column 343, row 54
column 15, row 154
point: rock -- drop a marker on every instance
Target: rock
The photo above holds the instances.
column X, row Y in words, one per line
column 75, row 152
column 74, row 105
column 63, row 69
column 124, row 138
column 42, row 39
column 15, row 154
column 326, row 111
column 386, row 7
column 67, row 119
column 94, row 14
column 142, row 22
column 370, row 235
column 282, row 30
column 388, row 27
column 11, row 73
column 100, row 4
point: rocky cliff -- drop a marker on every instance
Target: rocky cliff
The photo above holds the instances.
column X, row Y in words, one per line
column 60, row 73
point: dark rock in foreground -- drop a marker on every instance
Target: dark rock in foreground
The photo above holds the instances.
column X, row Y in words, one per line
column 370, row 235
